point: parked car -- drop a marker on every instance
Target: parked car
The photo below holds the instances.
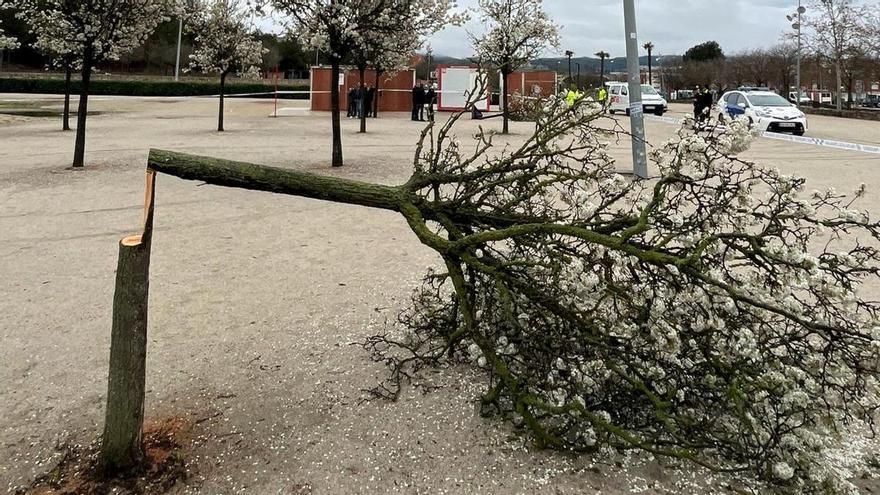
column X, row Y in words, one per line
column 684, row 94
column 764, row 109
column 652, row 101
column 805, row 98
column 871, row 101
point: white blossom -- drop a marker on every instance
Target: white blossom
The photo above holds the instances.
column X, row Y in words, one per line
column 224, row 39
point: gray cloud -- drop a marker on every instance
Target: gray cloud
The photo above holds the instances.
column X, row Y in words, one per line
column 673, row 26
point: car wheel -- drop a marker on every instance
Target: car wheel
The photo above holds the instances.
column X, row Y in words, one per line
column 627, row 112
column 659, row 113
column 798, row 133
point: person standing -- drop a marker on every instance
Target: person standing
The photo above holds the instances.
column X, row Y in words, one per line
column 698, row 103
column 708, row 100
column 415, row 103
column 603, row 97
column 359, row 100
column 421, row 100
column 430, row 99
column 369, row 94
column 350, row 101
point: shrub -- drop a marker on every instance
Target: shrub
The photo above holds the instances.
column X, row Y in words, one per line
column 145, row 88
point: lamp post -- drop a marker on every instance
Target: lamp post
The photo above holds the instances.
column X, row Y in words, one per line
column 796, row 19
column 187, row 8
column 179, row 40
column 602, row 56
column 569, row 53
column 578, row 64
column 558, row 70
column 636, row 110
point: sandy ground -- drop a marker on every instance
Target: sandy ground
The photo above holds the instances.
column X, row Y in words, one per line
column 255, row 299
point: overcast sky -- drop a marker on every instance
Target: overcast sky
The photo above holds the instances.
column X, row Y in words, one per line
column 673, row 26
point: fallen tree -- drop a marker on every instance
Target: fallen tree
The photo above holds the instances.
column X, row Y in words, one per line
column 710, row 314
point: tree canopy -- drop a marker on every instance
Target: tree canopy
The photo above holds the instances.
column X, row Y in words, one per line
column 704, row 52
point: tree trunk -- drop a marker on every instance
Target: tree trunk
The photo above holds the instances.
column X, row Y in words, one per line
column 79, row 152
column 650, row 72
column 839, row 84
column 278, row 180
column 222, row 94
column 334, row 113
column 362, row 109
column 376, row 95
column 122, row 443
column 505, row 101
column 850, row 82
column 66, row 116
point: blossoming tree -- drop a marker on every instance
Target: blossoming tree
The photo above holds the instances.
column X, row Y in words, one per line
column 391, row 43
column 59, row 46
column 224, row 42
column 92, row 31
column 6, row 42
column 712, row 314
column 339, row 27
column 518, row 32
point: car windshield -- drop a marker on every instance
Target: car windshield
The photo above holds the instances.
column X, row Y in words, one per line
column 768, row 101
column 648, row 90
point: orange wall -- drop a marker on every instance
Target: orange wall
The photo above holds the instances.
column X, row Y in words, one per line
column 395, row 91
column 546, row 80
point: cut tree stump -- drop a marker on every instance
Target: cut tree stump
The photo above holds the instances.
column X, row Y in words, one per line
column 122, row 443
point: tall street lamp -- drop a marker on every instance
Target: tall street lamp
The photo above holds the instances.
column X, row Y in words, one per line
column 602, row 56
column 796, row 19
column 650, row 47
column 569, row 53
column 179, row 40
column 187, row 6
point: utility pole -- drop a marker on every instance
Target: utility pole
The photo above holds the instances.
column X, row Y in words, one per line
column 636, row 110
column 179, row 40
column 797, row 18
column 602, row 56
column 569, row 53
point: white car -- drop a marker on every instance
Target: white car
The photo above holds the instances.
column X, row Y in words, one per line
column 805, row 98
column 618, row 99
column 764, row 109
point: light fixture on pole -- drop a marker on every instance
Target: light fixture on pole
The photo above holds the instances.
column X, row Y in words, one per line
column 797, row 22
column 636, row 110
column 569, row 53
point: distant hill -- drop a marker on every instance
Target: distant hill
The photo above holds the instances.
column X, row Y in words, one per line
column 588, row 64
column 592, row 64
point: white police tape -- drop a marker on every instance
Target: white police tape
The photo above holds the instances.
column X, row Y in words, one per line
column 825, row 143
column 668, row 120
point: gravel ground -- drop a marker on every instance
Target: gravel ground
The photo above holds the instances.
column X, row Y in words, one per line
column 255, row 301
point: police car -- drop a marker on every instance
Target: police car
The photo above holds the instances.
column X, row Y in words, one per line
column 618, row 98
column 764, row 109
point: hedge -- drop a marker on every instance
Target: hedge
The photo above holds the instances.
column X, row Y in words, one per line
column 145, row 88
column 861, row 114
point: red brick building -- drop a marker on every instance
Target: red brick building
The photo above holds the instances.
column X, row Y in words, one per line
column 532, row 83
column 395, row 90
